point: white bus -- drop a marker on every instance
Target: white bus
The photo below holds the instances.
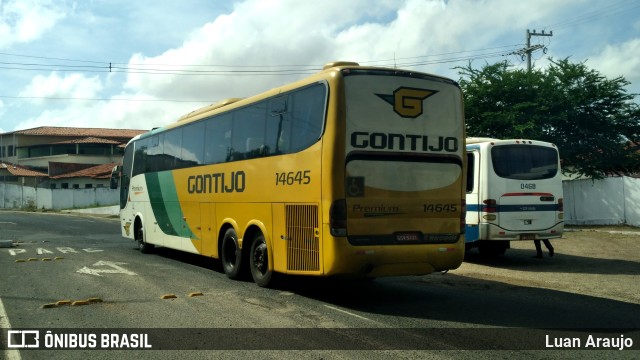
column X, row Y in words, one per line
column 514, row 193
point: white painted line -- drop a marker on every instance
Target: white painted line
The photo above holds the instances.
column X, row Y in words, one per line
column 8, row 222
column 9, row 354
column 115, row 269
column 349, row 313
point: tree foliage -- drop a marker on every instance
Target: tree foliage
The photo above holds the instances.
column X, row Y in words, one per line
column 593, row 120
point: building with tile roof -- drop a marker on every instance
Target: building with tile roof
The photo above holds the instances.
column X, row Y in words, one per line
column 13, row 173
column 63, row 154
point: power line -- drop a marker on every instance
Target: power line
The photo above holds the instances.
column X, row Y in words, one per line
column 589, row 16
column 101, row 99
column 229, row 69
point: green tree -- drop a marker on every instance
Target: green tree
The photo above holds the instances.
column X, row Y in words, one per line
column 593, row 120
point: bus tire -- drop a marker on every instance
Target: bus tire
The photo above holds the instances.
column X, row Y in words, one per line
column 143, row 246
column 492, row 248
column 259, row 261
column 230, row 255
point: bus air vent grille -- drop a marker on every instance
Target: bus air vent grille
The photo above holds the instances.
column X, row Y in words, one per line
column 303, row 249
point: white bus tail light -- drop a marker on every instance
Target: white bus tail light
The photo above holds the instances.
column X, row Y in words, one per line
column 560, row 209
column 491, row 206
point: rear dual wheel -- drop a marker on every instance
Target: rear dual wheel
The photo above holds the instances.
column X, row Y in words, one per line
column 234, row 264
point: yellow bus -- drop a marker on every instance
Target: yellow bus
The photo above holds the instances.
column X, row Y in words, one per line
column 354, row 171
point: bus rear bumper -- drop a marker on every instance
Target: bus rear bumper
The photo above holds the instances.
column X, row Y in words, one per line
column 390, row 260
column 494, row 232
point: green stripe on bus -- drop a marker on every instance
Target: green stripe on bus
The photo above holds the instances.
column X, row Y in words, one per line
column 165, row 204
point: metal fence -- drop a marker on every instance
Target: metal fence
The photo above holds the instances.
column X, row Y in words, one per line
column 610, row 201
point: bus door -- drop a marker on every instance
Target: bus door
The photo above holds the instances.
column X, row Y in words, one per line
column 473, row 199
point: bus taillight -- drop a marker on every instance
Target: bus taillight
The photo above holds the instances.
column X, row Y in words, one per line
column 490, row 206
column 560, row 205
column 338, row 218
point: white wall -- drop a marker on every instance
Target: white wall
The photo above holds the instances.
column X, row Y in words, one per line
column 632, row 203
column 610, row 201
column 16, row 196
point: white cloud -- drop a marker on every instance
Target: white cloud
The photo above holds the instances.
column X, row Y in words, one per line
column 619, row 60
column 258, row 35
column 74, row 86
column 26, row 20
column 135, row 113
column 2, row 111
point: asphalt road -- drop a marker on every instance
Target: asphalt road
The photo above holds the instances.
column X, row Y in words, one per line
column 75, row 275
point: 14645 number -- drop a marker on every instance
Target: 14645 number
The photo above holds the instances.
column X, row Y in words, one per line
column 293, row 177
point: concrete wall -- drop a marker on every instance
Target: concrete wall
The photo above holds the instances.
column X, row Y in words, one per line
column 15, row 196
column 608, row 201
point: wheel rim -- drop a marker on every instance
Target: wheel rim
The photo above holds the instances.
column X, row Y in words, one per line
column 260, row 258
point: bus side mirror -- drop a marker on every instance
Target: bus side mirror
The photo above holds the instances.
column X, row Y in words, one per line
column 115, row 176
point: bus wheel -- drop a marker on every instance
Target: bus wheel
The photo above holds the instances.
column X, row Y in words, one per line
column 491, row 248
column 142, row 245
column 259, row 261
column 230, row 255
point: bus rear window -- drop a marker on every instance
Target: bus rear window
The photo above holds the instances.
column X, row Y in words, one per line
column 524, row 162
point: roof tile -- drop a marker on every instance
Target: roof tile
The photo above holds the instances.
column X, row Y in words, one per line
column 102, row 171
column 17, row 170
column 86, row 132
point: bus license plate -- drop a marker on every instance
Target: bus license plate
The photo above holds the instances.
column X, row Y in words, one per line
column 527, row 236
column 408, row 237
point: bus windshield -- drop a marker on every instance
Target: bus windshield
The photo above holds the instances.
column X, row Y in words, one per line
column 524, row 162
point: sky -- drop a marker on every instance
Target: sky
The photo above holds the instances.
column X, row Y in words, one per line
column 142, row 64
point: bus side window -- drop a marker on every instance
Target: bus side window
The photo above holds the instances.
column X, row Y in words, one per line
column 172, row 149
column 217, row 146
column 470, row 171
column 308, row 116
column 193, row 144
column 247, row 135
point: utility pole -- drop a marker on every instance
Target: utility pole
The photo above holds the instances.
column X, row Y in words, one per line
column 529, row 49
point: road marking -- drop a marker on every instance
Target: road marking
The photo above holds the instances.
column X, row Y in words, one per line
column 9, row 354
column 8, row 222
column 115, row 269
column 64, row 250
column 349, row 313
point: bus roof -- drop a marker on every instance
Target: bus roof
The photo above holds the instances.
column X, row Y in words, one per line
column 231, row 103
column 476, row 140
column 484, row 140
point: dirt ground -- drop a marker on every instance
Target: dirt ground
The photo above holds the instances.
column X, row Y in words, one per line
column 596, row 261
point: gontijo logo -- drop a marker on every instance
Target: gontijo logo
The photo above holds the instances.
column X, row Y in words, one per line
column 407, row 102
